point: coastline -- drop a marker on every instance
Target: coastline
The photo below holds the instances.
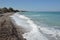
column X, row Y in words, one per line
column 23, row 28
column 9, row 31
column 39, row 32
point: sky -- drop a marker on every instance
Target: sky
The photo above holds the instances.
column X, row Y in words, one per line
column 32, row 5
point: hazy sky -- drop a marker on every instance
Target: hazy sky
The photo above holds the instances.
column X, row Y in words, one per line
column 32, row 5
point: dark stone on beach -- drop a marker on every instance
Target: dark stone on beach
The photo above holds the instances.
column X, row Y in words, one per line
column 8, row 30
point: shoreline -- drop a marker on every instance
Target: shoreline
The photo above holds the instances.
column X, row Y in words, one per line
column 10, row 29
column 37, row 32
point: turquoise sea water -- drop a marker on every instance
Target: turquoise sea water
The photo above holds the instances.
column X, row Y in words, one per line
column 51, row 19
column 39, row 25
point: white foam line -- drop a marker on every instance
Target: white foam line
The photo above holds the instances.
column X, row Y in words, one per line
column 34, row 34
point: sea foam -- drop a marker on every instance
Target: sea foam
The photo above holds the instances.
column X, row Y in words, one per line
column 33, row 32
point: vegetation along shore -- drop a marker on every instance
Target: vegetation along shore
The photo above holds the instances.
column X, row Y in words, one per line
column 7, row 28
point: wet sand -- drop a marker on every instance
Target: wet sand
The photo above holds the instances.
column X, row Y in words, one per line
column 8, row 30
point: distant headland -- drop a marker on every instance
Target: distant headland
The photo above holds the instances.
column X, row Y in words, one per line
column 7, row 10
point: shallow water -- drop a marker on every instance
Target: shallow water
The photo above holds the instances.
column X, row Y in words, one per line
column 39, row 25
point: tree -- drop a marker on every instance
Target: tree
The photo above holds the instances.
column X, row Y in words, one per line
column 11, row 9
column 4, row 10
column 16, row 11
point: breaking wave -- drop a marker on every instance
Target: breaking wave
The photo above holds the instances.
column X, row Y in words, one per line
column 33, row 31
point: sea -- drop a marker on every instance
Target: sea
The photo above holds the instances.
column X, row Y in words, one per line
column 39, row 25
